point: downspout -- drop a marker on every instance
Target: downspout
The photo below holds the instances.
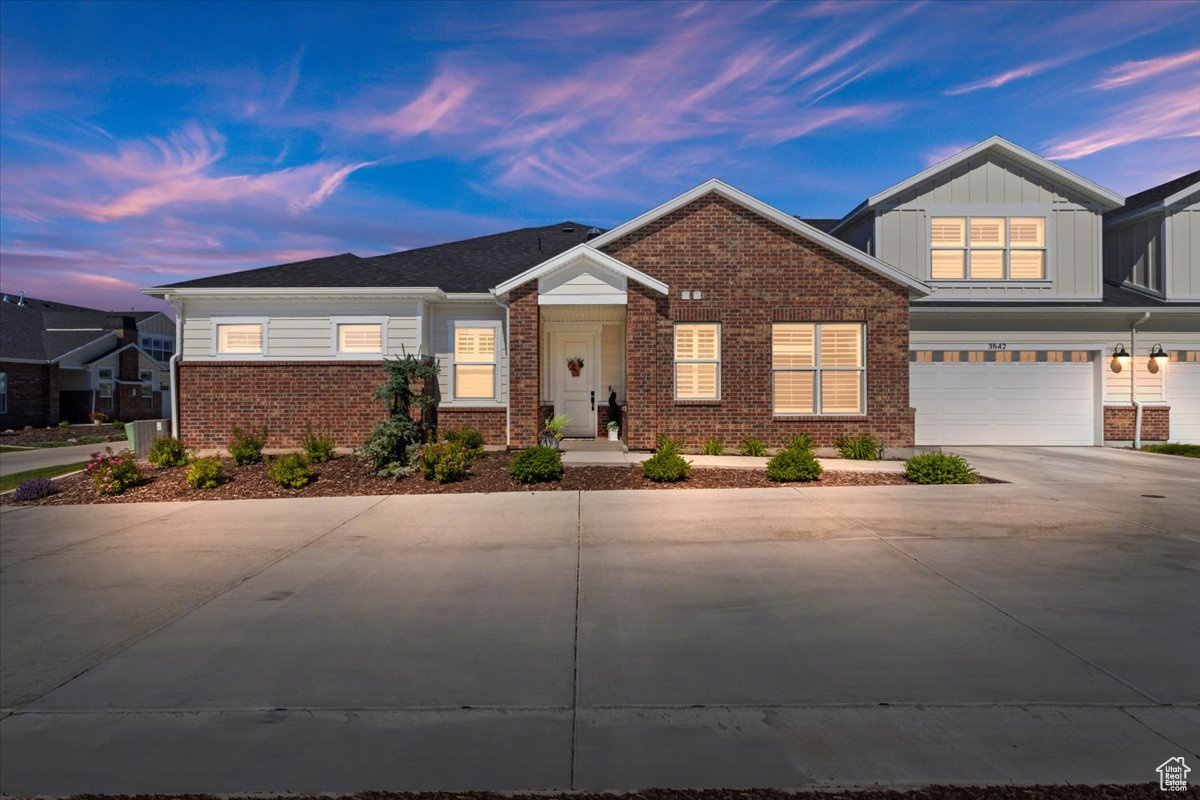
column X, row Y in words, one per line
column 1137, row 405
column 173, row 366
column 508, row 362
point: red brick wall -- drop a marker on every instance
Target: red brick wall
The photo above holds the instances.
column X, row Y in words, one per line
column 488, row 421
column 752, row 273
column 281, row 396
column 1120, row 422
column 32, row 395
column 524, row 366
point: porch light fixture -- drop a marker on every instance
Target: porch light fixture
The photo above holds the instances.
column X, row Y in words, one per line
column 1157, row 354
column 1119, row 358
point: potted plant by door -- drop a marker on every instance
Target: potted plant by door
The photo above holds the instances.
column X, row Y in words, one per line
column 98, row 417
column 614, row 431
column 552, row 432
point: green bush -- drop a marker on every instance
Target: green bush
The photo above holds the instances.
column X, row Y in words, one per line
column 753, row 447
column 444, row 462
column 666, row 465
column 113, row 473
column 246, row 447
column 167, row 451
column 861, row 448
column 794, row 464
column 1174, row 449
column 801, row 441
column 536, row 464
column 118, row 424
column 291, row 471
column 205, row 473
column 390, row 445
column 939, row 468
column 318, row 447
column 63, row 424
column 712, row 447
column 470, row 439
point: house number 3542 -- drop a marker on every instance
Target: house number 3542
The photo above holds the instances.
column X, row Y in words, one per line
column 997, row 345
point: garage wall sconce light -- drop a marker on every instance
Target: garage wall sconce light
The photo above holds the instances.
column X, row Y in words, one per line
column 1119, row 358
column 1158, row 357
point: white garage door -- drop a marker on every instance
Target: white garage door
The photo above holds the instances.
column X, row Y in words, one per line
column 1183, row 393
column 1039, row 403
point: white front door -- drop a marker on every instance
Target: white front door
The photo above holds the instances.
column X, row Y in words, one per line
column 575, row 390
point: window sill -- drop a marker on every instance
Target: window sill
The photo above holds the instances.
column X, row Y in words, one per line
column 467, row 404
column 679, row 402
column 1045, row 283
column 817, row 416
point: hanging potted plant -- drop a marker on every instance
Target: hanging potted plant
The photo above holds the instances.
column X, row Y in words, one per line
column 614, row 431
column 552, row 432
column 575, row 365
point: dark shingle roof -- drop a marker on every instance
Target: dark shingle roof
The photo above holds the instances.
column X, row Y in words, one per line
column 1156, row 194
column 470, row 265
column 820, row 223
column 24, row 328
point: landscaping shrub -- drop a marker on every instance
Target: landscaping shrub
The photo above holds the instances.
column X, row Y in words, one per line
column 444, row 462
column 63, row 424
column 794, row 463
column 470, row 439
column 712, row 447
column 666, row 465
column 753, row 447
column 206, row 473
column 167, row 451
column 113, row 473
column 939, row 468
column 801, row 441
column 117, row 424
column 536, row 464
column 317, row 447
column 1174, row 449
column 861, row 448
column 291, row 471
column 391, row 447
column 246, row 447
column 35, row 489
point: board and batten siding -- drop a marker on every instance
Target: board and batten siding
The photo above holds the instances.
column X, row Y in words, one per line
column 300, row 329
column 1133, row 253
column 990, row 185
column 442, row 348
column 1183, row 239
column 158, row 325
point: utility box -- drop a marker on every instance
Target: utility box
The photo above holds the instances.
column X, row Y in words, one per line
column 142, row 433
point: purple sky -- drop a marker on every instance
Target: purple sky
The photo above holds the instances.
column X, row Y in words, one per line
column 146, row 143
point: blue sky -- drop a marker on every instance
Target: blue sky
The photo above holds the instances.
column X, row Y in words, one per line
column 143, row 143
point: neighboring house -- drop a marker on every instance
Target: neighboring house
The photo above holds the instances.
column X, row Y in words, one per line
column 715, row 315
column 1016, row 342
column 62, row 362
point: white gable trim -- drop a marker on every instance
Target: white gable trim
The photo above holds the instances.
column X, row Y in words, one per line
column 586, row 251
column 1182, row 194
column 784, row 220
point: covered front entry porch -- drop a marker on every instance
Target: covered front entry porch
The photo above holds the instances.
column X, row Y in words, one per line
column 582, row 353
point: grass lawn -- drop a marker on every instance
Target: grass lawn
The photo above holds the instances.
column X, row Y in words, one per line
column 13, row 481
column 6, row 449
column 1174, row 449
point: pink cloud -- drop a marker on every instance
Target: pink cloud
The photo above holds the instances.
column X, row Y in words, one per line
column 939, row 154
column 1136, row 71
column 1008, row 76
column 1165, row 114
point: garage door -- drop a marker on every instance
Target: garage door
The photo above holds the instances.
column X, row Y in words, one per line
column 1023, row 399
column 1183, row 393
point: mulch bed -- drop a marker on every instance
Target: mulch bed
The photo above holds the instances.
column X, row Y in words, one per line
column 40, row 436
column 1140, row 791
column 348, row 475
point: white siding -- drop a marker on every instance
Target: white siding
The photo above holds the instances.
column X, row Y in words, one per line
column 301, row 328
column 440, row 317
column 612, row 361
column 1183, row 234
column 158, row 325
column 1133, row 253
column 584, row 280
column 990, row 185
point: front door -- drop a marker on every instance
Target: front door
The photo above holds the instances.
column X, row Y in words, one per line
column 576, row 365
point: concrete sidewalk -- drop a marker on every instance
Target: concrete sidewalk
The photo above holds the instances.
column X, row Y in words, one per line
column 576, row 458
column 38, row 457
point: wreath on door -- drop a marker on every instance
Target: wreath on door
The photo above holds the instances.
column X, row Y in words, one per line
column 575, row 365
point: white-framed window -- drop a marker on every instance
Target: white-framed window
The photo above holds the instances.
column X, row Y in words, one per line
column 234, row 336
column 160, row 348
column 987, row 248
column 105, row 386
column 3, row 392
column 474, row 368
column 697, row 361
column 146, row 376
column 818, row 368
column 359, row 335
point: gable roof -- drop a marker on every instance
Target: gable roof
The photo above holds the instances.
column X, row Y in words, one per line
column 46, row 330
column 1157, row 197
column 468, row 265
column 1105, row 198
column 581, row 251
column 784, row 220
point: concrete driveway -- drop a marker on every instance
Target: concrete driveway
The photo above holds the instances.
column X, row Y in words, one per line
column 1042, row 631
column 38, row 457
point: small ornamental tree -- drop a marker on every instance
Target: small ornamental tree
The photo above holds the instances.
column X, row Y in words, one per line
column 391, row 440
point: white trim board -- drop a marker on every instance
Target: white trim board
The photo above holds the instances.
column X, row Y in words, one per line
column 588, row 252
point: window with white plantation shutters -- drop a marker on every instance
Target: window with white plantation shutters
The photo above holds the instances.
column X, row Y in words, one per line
column 987, row 248
column 239, row 338
column 360, row 337
column 474, row 362
column 818, row 368
column 697, row 361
